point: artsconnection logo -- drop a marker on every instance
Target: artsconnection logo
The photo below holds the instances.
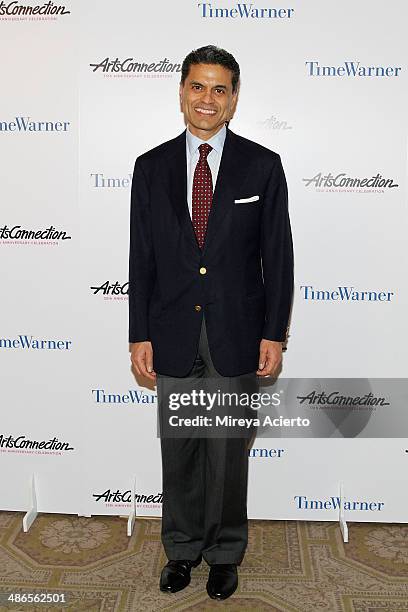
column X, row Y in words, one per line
column 25, row 342
column 129, row 67
column 25, row 124
column 321, row 399
column 243, row 11
column 353, row 69
column 124, row 499
column 273, row 123
column 334, row 503
column 16, row 11
column 132, row 397
column 345, row 293
column 341, row 182
column 112, row 291
column 23, row 445
column 16, row 234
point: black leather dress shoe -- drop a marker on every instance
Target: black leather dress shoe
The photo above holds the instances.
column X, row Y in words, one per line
column 222, row 580
column 175, row 575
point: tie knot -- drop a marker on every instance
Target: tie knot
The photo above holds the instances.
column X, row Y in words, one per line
column 204, row 150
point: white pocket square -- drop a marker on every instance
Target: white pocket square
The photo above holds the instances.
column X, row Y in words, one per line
column 245, row 200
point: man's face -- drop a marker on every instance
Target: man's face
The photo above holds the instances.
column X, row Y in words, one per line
column 206, row 99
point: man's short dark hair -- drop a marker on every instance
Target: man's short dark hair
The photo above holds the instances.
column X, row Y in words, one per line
column 211, row 55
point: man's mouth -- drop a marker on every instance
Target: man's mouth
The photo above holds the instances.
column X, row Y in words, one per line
column 205, row 111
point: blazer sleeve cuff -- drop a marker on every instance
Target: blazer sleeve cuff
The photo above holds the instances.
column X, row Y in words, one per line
column 277, row 334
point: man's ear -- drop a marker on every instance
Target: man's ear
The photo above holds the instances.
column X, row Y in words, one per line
column 234, row 102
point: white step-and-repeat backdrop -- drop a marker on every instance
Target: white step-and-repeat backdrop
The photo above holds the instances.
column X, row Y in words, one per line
column 85, row 88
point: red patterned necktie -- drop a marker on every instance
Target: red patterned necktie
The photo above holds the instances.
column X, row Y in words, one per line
column 202, row 194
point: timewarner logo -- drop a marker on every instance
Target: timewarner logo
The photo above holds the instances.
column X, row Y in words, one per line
column 345, row 293
column 25, row 342
column 25, row 124
column 132, row 397
column 350, row 69
column 243, row 11
column 100, row 181
column 334, row 503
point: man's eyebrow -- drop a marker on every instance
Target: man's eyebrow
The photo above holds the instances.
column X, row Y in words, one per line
column 215, row 86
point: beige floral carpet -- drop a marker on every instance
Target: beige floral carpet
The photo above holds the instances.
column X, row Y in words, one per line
column 290, row 566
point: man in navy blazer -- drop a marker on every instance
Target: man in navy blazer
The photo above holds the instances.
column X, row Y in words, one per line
column 219, row 307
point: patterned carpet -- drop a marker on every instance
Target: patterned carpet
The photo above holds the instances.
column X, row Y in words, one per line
column 290, row 566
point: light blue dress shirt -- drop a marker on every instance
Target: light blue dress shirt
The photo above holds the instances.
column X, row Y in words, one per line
column 193, row 155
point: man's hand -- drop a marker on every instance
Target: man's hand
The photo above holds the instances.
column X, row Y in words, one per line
column 142, row 359
column 270, row 357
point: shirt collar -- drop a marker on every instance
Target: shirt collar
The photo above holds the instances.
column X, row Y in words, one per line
column 216, row 141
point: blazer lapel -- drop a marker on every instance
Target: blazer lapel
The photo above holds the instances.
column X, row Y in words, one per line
column 231, row 174
column 177, row 166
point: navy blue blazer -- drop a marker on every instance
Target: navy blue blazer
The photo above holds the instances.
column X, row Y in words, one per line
column 245, row 285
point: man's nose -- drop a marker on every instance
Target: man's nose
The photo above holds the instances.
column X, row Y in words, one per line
column 208, row 96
